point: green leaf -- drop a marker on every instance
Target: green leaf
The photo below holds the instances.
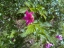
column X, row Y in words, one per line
column 42, row 38
column 33, row 9
column 28, row 4
column 22, row 10
column 30, row 29
column 46, row 24
column 12, row 34
column 42, row 13
column 36, row 45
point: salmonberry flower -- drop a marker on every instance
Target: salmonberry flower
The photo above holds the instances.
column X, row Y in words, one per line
column 29, row 18
column 48, row 45
column 59, row 37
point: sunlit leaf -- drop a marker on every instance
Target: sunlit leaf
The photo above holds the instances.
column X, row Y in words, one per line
column 30, row 29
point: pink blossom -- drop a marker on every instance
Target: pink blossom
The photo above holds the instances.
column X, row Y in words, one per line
column 59, row 37
column 48, row 45
column 29, row 18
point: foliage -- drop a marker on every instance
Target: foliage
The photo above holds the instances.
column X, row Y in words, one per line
column 48, row 22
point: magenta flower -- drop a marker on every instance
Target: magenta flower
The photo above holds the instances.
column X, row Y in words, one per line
column 29, row 18
column 59, row 37
column 48, row 45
